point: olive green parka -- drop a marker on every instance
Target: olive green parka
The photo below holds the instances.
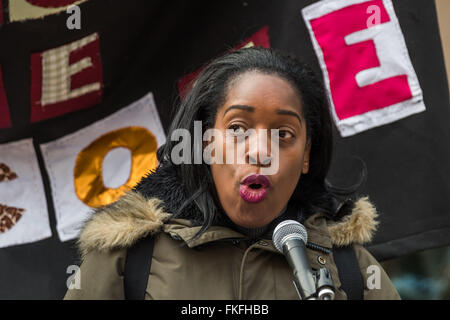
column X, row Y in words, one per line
column 221, row 263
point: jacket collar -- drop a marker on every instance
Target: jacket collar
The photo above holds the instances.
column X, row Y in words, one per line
column 183, row 230
column 148, row 209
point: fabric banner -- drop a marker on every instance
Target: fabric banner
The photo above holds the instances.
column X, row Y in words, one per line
column 97, row 164
column 61, row 89
column 23, row 208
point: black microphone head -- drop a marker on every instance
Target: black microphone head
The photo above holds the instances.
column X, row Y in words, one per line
column 288, row 229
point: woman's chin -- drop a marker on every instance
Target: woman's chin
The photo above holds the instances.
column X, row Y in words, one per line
column 251, row 214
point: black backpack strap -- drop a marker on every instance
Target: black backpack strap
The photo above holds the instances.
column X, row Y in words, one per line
column 349, row 272
column 137, row 268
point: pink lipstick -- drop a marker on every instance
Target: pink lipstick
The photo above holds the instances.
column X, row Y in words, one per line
column 254, row 188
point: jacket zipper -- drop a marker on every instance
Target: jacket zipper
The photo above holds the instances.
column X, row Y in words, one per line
column 317, row 247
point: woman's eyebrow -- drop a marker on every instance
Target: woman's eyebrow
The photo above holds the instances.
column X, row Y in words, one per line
column 289, row 113
column 239, row 106
column 252, row 109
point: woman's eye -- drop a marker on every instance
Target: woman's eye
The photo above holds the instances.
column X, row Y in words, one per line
column 236, row 129
column 285, row 134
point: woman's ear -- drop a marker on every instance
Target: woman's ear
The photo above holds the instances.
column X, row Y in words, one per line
column 305, row 168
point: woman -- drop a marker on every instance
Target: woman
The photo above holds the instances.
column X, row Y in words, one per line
column 212, row 224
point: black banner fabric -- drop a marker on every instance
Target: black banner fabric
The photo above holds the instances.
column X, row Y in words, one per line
column 147, row 46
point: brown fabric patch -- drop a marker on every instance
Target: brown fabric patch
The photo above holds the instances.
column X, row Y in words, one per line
column 9, row 217
column 6, row 174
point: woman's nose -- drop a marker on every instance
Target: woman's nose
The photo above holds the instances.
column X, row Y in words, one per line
column 259, row 148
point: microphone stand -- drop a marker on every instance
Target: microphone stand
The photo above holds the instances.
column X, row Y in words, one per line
column 310, row 284
column 323, row 283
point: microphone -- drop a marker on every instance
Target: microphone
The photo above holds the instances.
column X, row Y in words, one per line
column 290, row 238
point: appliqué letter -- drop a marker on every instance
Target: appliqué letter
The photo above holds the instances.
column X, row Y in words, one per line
column 367, row 70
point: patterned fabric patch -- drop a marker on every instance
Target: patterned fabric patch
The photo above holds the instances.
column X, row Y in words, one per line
column 97, row 164
column 258, row 39
column 6, row 174
column 56, row 73
column 23, row 205
column 66, row 79
column 9, row 217
column 20, row 10
column 368, row 74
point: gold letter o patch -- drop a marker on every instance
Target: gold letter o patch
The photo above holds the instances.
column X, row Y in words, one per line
column 88, row 178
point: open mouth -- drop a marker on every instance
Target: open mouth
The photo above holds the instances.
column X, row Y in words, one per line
column 254, row 188
column 256, row 181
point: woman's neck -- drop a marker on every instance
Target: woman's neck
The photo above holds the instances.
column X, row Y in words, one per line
column 253, row 233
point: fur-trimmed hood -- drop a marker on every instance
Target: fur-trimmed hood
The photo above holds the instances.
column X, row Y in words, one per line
column 147, row 209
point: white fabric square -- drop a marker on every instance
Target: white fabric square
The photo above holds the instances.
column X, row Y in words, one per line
column 62, row 157
column 22, row 196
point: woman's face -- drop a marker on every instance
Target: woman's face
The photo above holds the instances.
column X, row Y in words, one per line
column 260, row 101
